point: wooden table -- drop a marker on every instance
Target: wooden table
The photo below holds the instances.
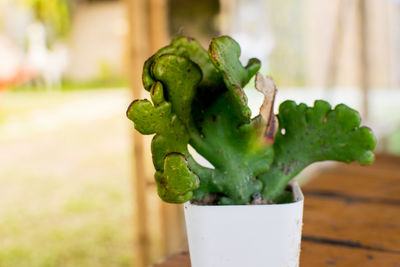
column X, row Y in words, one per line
column 351, row 217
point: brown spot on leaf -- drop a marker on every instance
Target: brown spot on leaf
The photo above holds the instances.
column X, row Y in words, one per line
column 271, row 130
column 214, row 56
column 130, row 106
column 163, row 182
column 240, row 93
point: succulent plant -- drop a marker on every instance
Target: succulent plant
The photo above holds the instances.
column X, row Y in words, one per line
column 198, row 100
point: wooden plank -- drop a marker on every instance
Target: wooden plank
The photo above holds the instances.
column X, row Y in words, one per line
column 385, row 188
column 381, row 163
column 379, row 182
column 375, row 171
column 318, row 255
column 383, row 159
column 370, row 224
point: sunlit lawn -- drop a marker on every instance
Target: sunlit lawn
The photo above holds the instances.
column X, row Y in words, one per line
column 65, row 179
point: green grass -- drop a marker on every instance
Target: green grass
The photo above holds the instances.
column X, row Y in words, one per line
column 101, row 82
column 65, row 191
column 114, row 82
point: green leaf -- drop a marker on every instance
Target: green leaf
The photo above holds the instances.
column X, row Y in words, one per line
column 225, row 53
column 238, row 154
column 177, row 182
column 311, row 134
column 180, row 78
column 171, row 139
column 192, row 50
column 147, row 118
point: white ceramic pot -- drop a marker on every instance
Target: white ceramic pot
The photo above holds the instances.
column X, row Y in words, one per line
column 245, row 235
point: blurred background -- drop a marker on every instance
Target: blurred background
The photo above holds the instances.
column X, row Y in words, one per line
column 69, row 158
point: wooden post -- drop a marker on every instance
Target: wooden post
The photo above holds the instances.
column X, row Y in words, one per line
column 158, row 24
column 337, row 44
column 364, row 61
column 171, row 214
column 137, row 52
column 148, row 32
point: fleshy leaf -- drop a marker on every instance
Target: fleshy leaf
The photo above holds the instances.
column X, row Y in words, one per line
column 177, row 182
column 237, row 153
column 192, row 50
column 180, row 78
column 225, row 53
column 311, row 134
column 146, row 116
column 171, row 139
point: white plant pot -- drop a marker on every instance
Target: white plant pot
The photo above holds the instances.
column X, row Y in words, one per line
column 245, row 235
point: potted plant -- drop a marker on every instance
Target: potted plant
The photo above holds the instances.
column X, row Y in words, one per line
column 244, row 211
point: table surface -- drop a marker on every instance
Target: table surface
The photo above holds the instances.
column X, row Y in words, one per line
column 351, row 217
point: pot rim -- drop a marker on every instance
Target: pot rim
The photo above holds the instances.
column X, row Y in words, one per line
column 297, row 193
